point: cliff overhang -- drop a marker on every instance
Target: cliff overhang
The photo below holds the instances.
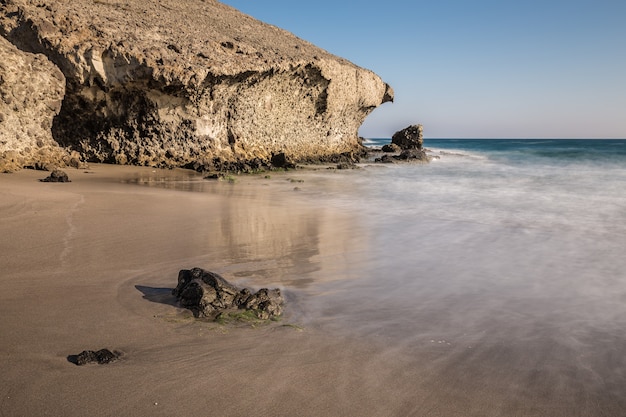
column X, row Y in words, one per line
column 191, row 84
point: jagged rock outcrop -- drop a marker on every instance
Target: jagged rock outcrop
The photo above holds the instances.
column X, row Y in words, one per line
column 409, row 138
column 406, row 145
column 191, row 83
column 31, row 90
column 208, row 294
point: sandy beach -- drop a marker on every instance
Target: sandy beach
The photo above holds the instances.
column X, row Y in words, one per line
column 90, row 264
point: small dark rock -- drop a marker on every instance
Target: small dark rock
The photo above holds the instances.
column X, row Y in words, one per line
column 391, row 147
column 346, row 165
column 56, row 176
column 101, row 357
column 409, row 154
column 280, row 161
column 214, row 176
column 385, row 159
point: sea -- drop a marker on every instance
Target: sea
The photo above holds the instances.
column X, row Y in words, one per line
column 501, row 263
column 524, row 227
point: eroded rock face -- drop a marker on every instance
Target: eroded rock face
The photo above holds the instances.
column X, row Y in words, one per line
column 191, row 83
column 208, row 294
column 31, row 91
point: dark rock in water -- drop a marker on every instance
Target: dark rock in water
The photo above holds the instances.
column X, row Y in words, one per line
column 208, row 294
column 409, row 138
column 406, row 146
column 215, row 176
column 409, row 154
column 390, row 148
column 56, row 176
column 385, row 159
column 101, row 357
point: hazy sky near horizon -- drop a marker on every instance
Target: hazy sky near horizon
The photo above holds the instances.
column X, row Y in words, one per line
column 481, row 69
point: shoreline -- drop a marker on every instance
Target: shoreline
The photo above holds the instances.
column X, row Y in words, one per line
column 388, row 312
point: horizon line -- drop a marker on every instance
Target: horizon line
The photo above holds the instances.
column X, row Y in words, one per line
column 504, row 138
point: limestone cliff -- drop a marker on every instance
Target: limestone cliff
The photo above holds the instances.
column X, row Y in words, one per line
column 31, row 90
column 191, row 83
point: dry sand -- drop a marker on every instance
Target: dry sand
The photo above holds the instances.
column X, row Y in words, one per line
column 89, row 264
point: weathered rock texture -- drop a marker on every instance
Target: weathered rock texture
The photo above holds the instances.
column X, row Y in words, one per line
column 208, row 294
column 391, row 148
column 101, row 357
column 406, row 145
column 31, row 90
column 191, row 83
column 409, row 138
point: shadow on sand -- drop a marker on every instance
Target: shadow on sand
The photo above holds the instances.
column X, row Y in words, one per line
column 158, row 295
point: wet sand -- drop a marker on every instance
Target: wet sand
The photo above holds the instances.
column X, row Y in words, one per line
column 89, row 264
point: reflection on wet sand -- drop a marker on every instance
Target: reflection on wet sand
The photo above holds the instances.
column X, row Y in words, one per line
column 263, row 232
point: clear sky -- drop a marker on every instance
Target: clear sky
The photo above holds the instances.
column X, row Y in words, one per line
column 480, row 68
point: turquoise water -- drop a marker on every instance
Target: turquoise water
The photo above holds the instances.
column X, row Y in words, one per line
column 581, row 183
column 521, row 150
column 547, row 184
column 529, row 150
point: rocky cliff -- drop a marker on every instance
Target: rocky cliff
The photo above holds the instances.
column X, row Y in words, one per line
column 31, row 90
column 191, row 83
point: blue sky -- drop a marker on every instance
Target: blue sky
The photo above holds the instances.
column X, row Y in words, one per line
column 481, row 69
